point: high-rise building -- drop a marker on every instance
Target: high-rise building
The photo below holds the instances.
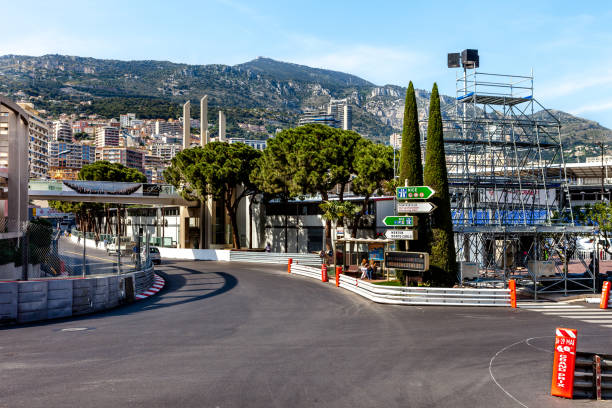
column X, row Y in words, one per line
column 126, row 120
column 107, row 136
column 128, row 156
column 341, row 110
column 62, row 131
column 38, row 144
column 166, row 150
column 66, row 159
column 168, row 128
column 255, row 144
column 337, row 114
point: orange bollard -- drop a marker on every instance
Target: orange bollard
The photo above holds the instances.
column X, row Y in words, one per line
column 512, row 287
column 324, row 273
column 290, row 261
column 605, row 295
column 564, row 363
column 338, row 272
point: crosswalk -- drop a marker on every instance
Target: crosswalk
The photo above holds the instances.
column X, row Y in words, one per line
column 602, row 317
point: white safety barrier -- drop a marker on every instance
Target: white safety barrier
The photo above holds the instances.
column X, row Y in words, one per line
column 403, row 295
column 274, row 257
column 304, row 270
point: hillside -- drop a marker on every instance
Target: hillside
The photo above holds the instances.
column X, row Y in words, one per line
column 260, row 92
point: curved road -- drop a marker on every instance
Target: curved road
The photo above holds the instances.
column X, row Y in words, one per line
column 248, row 335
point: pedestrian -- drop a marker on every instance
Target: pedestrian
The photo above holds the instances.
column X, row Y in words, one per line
column 97, row 239
column 364, row 269
column 105, row 242
column 268, row 249
column 371, row 269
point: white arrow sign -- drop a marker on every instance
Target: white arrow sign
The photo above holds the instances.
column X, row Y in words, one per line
column 415, row 207
column 401, row 234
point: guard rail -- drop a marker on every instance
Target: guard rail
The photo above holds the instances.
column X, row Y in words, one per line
column 403, row 295
column 274, row 257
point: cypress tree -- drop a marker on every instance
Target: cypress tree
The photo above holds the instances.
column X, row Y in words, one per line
column 411, row 167
column 443, row 263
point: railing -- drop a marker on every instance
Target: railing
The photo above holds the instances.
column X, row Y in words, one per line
column 402, row 295
column 274, row 257
column 304, row 270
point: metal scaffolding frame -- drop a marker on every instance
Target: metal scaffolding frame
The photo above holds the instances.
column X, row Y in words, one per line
column 510, row 207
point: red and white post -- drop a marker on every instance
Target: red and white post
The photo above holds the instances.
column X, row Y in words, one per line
column 564, row 363
column 289, row 262
column 338, row 272
column 605, row 295
column 324, row 273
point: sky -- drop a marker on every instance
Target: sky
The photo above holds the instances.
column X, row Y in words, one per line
column 567, row 44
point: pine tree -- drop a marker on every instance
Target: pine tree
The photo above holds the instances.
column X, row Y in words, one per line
column 443, row 263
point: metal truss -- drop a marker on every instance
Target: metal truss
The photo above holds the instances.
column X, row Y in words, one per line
column 508, row 184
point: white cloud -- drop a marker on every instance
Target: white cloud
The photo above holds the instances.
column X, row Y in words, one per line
column 379, row 64
column 596, row 107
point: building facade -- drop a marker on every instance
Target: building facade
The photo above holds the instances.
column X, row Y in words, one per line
column 128, row 156
column 107, row 136
column 38, row 143
column 62, row 131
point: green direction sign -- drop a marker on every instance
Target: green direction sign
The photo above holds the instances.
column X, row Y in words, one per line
column 398, row 221
column 414, row 192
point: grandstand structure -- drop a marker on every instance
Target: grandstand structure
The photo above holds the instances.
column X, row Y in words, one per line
column 511, row 208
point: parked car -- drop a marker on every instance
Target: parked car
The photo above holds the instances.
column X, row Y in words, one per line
column 153, row 254
column 126, row 246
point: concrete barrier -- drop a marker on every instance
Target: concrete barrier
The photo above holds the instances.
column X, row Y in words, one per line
column 8, row 301
column 28, row 301
column 82, row 296
column 59, row 298
column 32, row 301
column 194, row 254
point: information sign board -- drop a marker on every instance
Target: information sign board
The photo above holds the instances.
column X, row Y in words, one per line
column 414, row 192
column 399, row 221
column 415, row 207
column 564, row 363
column 411, row 261
column 401, row 234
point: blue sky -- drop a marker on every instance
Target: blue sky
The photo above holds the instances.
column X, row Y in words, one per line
column 567, row 44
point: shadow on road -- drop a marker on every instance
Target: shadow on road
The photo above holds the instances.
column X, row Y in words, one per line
column 173, row 283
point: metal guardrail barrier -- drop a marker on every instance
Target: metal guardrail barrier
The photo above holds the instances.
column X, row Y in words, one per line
column 304, row 270
column 402, row 295
column 593, row 376
column 274, row 257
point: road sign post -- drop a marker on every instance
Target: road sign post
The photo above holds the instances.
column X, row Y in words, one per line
column 400, row 221
column 414, row 192
column 401, row 234
column 415, row 207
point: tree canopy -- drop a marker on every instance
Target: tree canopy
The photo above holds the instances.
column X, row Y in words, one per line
column 217, row 170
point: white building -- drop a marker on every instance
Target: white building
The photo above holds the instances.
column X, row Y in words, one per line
column 39, row 143
column 62, row 131
column 107, row 136
column 166, row 151
column 126, row 120
column 256, row 144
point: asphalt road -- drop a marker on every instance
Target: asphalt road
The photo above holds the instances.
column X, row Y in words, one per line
column 247, row 335
column 97, row 260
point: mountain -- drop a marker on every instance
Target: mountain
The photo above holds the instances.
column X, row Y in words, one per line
column 262, row 92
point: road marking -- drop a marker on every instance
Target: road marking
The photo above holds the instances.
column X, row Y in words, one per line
column 97, row 257
column 580, row 313
column 73, row 329
column 551, row 307
column 598, row 321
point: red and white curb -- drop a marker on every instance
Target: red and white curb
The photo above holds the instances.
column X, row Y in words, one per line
column 158, row 284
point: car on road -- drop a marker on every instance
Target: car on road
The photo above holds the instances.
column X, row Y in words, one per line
column 153, row 254
column 125, row 246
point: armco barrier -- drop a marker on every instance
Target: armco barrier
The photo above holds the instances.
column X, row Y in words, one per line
column 305, row 270
column 29, row 301
column 402, row 295
column 273, row 257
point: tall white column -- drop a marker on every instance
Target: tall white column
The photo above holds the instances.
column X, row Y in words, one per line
column 204, row 120
column 186, row 125
column 221, row 126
